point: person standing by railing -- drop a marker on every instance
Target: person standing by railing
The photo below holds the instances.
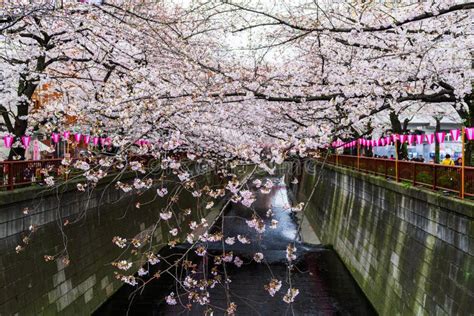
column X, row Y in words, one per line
column 458, row 161
column 447, row 161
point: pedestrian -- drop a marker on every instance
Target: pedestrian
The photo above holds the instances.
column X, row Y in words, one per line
column 447, row 161
column 459, row 161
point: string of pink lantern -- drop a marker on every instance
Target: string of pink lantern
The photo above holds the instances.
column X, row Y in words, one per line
column 410, row 139
column 56, row 138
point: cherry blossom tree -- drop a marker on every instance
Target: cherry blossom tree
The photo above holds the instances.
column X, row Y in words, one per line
column 224, row 84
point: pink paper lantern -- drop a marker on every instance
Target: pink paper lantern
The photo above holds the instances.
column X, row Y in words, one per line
column 77, row 137
column 411, row 139
column 8, row 141
column 403, row 138
column 388, row 140
column 25, row 140
column 455, row 133
column 419, row 139
column 440, row 137
column 395, row 137
column 108, row 141
column 382, row 141
column 470, row 133
column 66, row 135
column 430, row 138
column 55, row 137
column 95, row 141
column 87, row 139
column 103, row 140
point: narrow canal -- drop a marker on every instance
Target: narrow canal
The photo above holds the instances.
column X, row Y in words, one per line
column 325, row 285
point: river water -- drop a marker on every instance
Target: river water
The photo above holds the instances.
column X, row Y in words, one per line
column 325, row 285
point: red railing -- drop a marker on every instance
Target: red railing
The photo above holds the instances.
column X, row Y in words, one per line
column 434, row 176
column 24, row 172
column 21, row 173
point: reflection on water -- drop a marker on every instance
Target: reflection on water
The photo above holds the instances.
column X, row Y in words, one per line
column 325, row 285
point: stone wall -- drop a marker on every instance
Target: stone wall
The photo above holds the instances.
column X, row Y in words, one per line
column 31, row 286
column 409, row 249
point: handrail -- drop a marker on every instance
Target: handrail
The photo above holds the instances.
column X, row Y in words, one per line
column 15, row 173
column 431, row 175
column 18, row 173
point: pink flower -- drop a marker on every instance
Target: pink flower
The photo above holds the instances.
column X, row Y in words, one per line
column 238, row 262
column 258, row 257
column 170, row 300
column 290, row 295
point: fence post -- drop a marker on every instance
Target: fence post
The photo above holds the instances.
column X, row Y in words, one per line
column 10, row 176
column 414, row 173
column 463, row 162
column 396, row 161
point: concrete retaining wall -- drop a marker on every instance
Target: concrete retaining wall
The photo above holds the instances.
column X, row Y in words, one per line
column 410, row 250
column 31, row 286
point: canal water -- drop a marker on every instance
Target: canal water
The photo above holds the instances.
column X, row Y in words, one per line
column 325, row 285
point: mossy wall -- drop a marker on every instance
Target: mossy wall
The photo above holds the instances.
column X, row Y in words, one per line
column 409, row 249
column 31, row 286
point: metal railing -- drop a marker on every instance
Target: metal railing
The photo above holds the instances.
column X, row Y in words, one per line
column 19, row 173
column 14, row 174
column 430, row 175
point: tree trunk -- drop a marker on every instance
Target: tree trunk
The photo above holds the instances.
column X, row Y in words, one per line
column 19, row 130
column 26, row 88
column 397, row 128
